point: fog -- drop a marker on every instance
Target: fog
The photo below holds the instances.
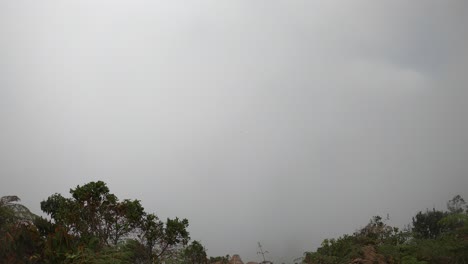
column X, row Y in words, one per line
column 284, row 122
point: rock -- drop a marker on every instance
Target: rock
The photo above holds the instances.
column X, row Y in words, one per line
column 370, row 257
column 236, row 260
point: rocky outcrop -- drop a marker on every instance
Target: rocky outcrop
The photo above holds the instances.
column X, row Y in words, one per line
column 370, row 256
column 236, row 260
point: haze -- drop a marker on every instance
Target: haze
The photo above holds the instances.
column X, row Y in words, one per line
column 284, row 122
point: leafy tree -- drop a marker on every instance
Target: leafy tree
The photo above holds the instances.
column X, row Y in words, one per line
column 60, row 245
column 161, row 240
column 100, row 222
column 457, row 205
column 21, row 243
column 195, row 253
column 375, row 232
column 94, row 214
column 44, row 226
column 456, row 224
column 426, row 225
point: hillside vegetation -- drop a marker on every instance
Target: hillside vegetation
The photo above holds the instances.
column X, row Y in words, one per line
column 94, row 226
column 433, row 237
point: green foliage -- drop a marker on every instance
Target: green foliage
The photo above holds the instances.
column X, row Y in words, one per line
column 7, row 217
column 100, row 222
column 195, row 253
column 348, row 247
column 376, row 232
column 456, row 225
column 426, row 225
column 457, row 205
column 44, row 226
column 11, row 211
column 221, row 259
column 92, row 226
column 93, row 213
column 163, row 241
column 129, row 251
column 436, row 237
column 59, row 245
column 21, row 243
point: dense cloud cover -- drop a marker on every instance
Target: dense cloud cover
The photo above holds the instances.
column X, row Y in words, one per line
column 284, row 122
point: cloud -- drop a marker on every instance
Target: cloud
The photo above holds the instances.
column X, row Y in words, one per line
column 280, row 122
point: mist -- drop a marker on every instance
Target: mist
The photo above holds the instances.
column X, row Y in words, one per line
column 284, row 122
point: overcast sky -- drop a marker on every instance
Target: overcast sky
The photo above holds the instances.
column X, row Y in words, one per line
column 284, row 122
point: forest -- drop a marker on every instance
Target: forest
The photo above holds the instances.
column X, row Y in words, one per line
column 433, row 236
column 94, row 226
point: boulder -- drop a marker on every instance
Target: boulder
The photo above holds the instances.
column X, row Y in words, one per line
column 236, row 260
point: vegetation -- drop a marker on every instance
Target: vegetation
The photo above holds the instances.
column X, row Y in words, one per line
column 94, row 226
column 435, row 237
column 220, row 259
column 195, row 253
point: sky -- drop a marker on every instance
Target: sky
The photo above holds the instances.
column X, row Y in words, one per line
column 284, row 122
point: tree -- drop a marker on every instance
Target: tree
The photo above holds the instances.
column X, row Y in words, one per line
column 100, row 222
column 92, row 226
column 426, row 225
column 457, row 205
column 7, row 215
column 20, row 241
column 163, row 240
column 195, row 253
column 94, row 214
column 12, row 211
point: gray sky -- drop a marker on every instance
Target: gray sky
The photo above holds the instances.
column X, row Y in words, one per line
column 284, row 122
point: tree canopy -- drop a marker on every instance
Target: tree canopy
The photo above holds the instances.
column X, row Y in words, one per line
column 91, row 226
